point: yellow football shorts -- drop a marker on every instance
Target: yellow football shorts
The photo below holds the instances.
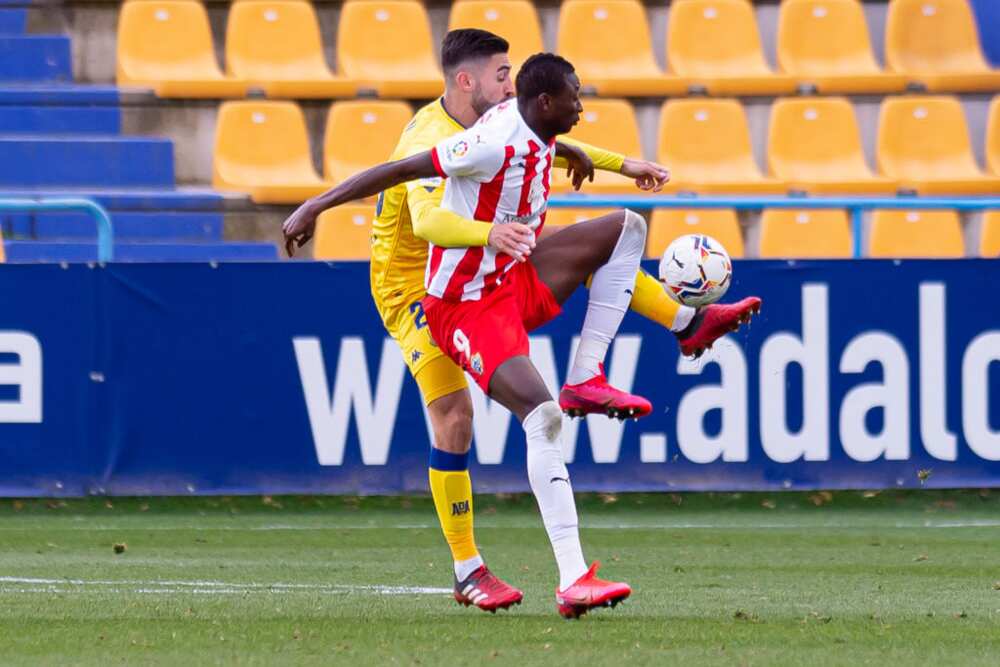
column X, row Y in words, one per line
column 435, row 373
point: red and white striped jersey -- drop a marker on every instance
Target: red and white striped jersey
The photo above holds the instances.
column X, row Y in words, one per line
column 497, row 171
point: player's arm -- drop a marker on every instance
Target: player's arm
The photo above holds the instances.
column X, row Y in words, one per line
column 647, row 175
column 300, row 225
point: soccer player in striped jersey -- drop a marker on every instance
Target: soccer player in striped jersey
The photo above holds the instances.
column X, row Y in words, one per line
column 484, row 295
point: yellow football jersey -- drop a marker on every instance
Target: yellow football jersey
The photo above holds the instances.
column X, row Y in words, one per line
column 398, row 257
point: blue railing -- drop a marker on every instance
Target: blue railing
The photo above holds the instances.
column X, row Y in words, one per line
column 105, row 231
column 856, row 206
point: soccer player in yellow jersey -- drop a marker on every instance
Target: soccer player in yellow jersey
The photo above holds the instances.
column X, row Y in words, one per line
column 477, row 72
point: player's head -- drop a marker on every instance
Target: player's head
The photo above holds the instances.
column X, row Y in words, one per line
column 548, row 84
column 475, row 62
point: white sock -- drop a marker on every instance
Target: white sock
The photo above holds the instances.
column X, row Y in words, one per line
column 463, row 568
column 683, row 318
column 610, row 294
column 550, row 483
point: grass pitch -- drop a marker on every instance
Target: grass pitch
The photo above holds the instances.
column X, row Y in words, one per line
column 725, row 579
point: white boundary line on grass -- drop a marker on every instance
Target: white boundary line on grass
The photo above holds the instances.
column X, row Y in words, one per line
column 46, row 585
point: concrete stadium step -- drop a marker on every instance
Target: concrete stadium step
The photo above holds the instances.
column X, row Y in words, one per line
column 68, row 94
column 128, row 226
column 35, row 58
column 100, row 160
column 13, row 21
column 60, row 119
column 42, row 251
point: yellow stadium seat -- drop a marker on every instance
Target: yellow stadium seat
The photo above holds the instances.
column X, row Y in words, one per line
column 993, row 138
column 514, row 20
column 924, row 143
column 360, row 135
column 667, row 224
column 935, row 42
column 345, row 233
column 262, row 148
column 936, row 234
column 825, row 43
column 2, row 257
column 386, row 45
column 167, row 46
column 715, row 44
column 558, row 218
column 989, row 243
column 277, row 45
column 608, row 124
column 608, row 43
column 706, row 145
column 813, row 233
column 815, row 145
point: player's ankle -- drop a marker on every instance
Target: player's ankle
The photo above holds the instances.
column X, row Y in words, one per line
column 463, row 568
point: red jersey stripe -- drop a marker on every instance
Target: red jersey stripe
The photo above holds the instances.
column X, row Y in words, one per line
column 437, row 163
column 530, row 171
column 489, row 193
column 467, row 269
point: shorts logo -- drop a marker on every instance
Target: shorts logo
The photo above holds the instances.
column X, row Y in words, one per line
column 415, row 356
column 461, row 507
column 476, row 363
column 459, row 149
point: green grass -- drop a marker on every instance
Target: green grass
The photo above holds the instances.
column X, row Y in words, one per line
column 724, row 579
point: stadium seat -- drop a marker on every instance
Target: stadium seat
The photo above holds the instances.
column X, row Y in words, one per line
column 812, row 233
column 262, row 148
column 167, row 46
column 558, row 218
column 924, row 143
column 514, row 20
column 721, row 224
column 608, row 43
column 361, row 134
column 989, row 243
column 935, row 43
column 385, row 45
column 993, row 138
column 345, row 233
column 607, row 124
column 936, row 234
column 825, row 44
column 706, row 144
column 815, row 145
column 277, row 45
column 715, row 44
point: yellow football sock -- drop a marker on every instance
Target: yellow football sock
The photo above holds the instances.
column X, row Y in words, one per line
column 652, row 302
column 451, row 488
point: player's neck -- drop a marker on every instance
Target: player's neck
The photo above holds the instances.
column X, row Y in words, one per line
column 544, row 132
column 461, row 111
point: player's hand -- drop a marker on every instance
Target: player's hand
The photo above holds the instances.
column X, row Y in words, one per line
column 648, row 175
column 514, row 239
column 299, row 227
column 580, row 167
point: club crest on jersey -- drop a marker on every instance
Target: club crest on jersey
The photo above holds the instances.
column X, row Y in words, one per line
column 476, row 364
column 459, row 149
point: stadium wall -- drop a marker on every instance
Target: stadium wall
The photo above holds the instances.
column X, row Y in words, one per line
column 258, row 378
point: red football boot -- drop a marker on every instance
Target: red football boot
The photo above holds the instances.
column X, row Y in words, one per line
column 588, row 592
column 714, row 321
column 487, row 591
column 596, row 396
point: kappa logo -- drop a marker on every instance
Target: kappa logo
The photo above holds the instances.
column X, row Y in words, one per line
column 476, row 363
column 415, row 356
column 461, row 507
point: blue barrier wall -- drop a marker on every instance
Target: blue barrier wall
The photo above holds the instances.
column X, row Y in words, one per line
column 279, row 378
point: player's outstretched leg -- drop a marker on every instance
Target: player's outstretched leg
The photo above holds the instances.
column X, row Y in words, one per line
column 517, row 385
column 609, row 248
column 713, row 322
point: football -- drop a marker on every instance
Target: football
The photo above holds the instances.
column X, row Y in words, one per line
column 696, row 270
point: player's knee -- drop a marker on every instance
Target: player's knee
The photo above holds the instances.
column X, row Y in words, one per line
column 634, row 225
column 550, row 416
column 454, row 432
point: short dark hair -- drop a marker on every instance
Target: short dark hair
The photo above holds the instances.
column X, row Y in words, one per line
column 542, row 73
column 461, row 46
